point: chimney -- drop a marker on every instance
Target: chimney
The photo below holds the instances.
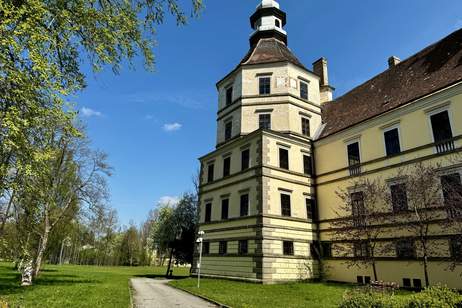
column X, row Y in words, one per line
column 393, row 61
column 320, row 69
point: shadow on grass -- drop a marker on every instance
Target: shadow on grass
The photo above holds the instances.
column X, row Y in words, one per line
column 158, row 276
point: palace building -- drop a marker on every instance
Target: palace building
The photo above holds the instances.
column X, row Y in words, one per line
column 285, row 147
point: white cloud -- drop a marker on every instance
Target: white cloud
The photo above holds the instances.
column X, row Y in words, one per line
column 170, row 200
column 88, row 112
column 171, row 127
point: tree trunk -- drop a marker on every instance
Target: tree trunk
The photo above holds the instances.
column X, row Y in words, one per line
column 427, row 280
column 374, row 267
column 169, row 263
column 41, row 251
column 4, row 219
column 61, row 253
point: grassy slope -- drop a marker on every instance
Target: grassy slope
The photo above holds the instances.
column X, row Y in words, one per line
column 75, row 286
column 241, row 294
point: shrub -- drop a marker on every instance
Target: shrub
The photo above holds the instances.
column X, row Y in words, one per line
column 433, row 297
column 368, row 298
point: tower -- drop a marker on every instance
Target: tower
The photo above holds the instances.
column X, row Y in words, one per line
column 257, row 201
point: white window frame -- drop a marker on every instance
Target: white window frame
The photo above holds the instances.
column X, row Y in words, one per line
column 435, row 110
column 351, row 141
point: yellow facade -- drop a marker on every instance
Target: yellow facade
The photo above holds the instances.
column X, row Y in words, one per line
column 283, row 232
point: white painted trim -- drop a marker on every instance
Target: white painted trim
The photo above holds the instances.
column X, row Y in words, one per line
column 390, row 128
column 436, row 110
column 351, row 141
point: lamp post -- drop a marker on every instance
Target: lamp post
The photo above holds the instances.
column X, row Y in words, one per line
column 199, row 240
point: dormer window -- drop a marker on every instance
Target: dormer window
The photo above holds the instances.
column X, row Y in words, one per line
column 265, row 85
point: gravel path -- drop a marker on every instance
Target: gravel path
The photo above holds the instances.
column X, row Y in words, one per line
column 155, row 293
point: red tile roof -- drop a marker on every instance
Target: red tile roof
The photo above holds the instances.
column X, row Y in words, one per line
column 435, row 67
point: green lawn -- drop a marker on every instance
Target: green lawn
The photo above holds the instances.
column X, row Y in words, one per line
column 75, row 286
column 241, row 294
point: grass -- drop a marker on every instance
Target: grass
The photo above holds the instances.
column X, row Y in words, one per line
column 242, row 294
column 75, row 286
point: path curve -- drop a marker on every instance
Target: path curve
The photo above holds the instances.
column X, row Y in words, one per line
column 155, row 293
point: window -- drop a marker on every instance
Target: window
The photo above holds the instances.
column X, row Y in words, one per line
column 265, row 85
column 399, row 197
column 326, row 249
column 285, row 205
column 357, row 208
column 229, row 96
column 206, row 248
column 210, row 172
column 224, row 209
column 245, row 159
column 228, row 130
column 359, row 279
column 307, row 165
column 367, row 279
column 406, row 282
column 223, row 247
column 277, row 23
column 452, row 192
column 456, row 247
column 305, row 127
column 310, row 209
column 226, row 166
column 314, row 250
column 283, row 158
column 417, row 283
column 264, row 121
column 442, row 133
column 303, row 90
column 288, row 248
column 392, row 145
column 361, row 249
column 244, row 211
column 243, row 247
column 354, row 159
column 208, row 212
column 405, row 249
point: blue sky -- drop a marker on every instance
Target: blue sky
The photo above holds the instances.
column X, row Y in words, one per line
column 154, row 125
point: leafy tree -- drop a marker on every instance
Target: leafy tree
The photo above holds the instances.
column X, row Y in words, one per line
column 362, row 209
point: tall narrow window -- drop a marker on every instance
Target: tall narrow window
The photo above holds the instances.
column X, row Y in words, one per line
column 305, row 127
column 244, row 210
column 206, row 248
column 307, row 165
column 226, row 166
column 452, row 192
column 224, row 209
column 399, row 197
column 310, row 209
column 357, row 208
column 229, row 96
column 361, row 249
column 405, row 249
column 392, row 145
column 264, row 121
column 285, row 205
column 223, row 248
column 228, row 130
column 288, row 248
column 208, row 212
column 210, row 172
column 456, row 247
column 303, row 90
column 243, row 247
column 326, row 249
column 354, row 159
column 283, row 158
column 265, row 85
column 442, row 133
column 245, row 159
